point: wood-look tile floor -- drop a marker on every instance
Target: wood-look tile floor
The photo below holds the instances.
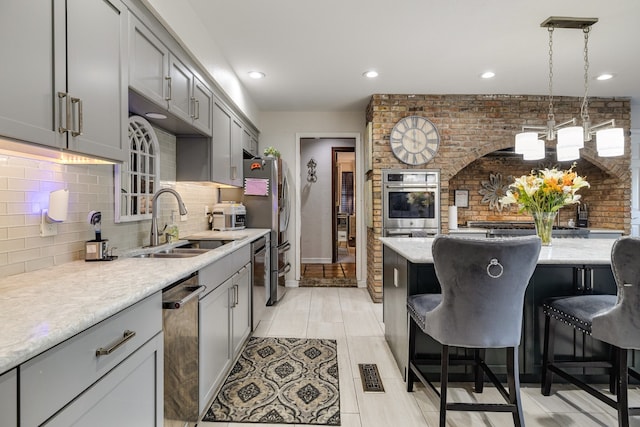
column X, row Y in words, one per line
column 349, row 316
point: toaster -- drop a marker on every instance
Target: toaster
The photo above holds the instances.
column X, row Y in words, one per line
column 229, row 216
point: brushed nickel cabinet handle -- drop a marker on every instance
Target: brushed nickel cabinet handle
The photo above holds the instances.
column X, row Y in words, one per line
column 197, row 116
column 168, row 79
column 125, row 337
column 234, row 172
column 78, row 102
column 63, row 96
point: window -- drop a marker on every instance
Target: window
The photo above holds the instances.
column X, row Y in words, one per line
column 137, row 180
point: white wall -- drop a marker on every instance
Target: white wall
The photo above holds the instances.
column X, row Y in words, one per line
column 316, row 200
column 282, row 130
column 186, row 26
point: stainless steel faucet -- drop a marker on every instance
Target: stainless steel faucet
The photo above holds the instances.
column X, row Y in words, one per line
column 153, row 237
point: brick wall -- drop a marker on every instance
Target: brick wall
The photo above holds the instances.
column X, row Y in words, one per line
column 472, row 126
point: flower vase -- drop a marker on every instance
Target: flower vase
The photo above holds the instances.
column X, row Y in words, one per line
column 544, row 225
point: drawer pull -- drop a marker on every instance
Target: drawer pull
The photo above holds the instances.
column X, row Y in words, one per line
column 126, row 337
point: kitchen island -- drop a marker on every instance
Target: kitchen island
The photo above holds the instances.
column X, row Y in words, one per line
column 567, row 267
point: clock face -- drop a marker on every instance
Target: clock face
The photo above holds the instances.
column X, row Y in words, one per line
column 414, row 140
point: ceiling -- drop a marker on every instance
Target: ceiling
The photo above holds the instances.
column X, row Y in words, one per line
column 314, row 52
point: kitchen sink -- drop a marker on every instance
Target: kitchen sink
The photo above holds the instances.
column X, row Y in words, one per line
column 174, row 253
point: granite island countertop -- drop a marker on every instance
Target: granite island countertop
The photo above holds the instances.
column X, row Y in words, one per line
column 561, row 251
column 40, row 309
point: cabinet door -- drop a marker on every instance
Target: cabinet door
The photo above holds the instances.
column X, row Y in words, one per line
column 9, row 399
column 236, row 152
column 148, row 63
column 96, row 69
column 215, row 356
column 180, row 87
column 241, row 313
column 27, row 103
column 130, row 395
column 201, row 110
column 221, row 144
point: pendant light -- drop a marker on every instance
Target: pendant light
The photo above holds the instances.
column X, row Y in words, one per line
column 609, row 139
column 570, row 136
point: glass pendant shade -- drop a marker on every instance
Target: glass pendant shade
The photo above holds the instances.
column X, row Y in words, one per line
column 566, row 154
column 526, row 141
column 610, row 142
column 535, row 151
column 572, row 136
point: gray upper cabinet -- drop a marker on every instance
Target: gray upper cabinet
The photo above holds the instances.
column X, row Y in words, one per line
column 201, row 108
column 180, row 83
column 148, row 64
column 221, row 144
column 69, row 91
column 160, row 76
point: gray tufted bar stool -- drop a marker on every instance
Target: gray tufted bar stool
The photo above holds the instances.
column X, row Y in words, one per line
column 483, row 283
column 612, row 319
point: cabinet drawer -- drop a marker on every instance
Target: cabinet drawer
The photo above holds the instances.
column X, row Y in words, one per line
column 218, row 271
column 54, row 378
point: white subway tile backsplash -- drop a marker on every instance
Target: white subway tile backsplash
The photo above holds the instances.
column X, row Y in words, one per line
column 24, row 191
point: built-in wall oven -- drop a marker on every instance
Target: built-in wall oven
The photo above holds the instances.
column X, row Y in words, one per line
column 410, row 202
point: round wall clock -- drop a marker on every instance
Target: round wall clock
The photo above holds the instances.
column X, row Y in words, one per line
column 414, row 140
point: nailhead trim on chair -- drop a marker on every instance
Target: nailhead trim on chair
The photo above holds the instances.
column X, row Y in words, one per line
column 567, row 319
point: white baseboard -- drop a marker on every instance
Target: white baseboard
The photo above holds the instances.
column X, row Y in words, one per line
column 315, row 260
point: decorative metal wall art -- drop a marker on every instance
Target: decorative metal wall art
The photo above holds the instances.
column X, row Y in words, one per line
column 493, row 190
column 311, row 172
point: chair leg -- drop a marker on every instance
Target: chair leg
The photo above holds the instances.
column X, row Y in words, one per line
column 444, row 380
column 412, row 350
column 622, row 385
column 547, row 355
column 614, row 371
column 478, row 355
column 513, row 381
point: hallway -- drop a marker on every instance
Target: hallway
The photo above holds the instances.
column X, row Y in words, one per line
column 348, row 316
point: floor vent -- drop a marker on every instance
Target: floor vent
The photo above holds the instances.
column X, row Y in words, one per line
column 370, row 376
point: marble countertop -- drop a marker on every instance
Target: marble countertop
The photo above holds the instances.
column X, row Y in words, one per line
column 45, row 307
column 474, row 230
column 561, row 251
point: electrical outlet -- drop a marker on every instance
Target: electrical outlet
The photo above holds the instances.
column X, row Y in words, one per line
column 183, row 218
column 47, row 228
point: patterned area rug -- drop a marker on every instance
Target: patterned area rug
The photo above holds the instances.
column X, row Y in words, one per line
column 281, row 381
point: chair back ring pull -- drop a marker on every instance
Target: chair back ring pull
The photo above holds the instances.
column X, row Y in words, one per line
column 498, row 270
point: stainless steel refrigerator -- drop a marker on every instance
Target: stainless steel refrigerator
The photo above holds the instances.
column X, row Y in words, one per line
column 266, row 198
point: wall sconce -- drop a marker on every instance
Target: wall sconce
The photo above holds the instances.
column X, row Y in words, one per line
column 57, row 212
column 311, row 173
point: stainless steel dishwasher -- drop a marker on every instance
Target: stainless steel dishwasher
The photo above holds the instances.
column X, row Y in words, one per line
column 181, row 363
column 260, row 277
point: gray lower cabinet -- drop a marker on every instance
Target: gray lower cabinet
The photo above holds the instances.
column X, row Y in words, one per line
column 224, row 319
column 9, row 399
column 127, row 396
column 215, row 356
column 110, row 374
column 241, row 308
column 68, row 91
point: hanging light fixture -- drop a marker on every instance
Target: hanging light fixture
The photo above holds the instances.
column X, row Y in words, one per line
column 609, row 138
column 570, row 136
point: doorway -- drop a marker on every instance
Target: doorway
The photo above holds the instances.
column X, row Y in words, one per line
column 328, row 206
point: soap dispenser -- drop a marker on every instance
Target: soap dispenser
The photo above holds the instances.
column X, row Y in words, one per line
column 172, row 231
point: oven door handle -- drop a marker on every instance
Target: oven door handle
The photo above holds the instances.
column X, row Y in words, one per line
column 390, row 233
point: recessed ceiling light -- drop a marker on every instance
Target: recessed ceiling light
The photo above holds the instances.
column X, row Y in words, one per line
column 488, row 75
column 370, row 74
column 257, row 74
column 604, row 76
column 153, row 115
